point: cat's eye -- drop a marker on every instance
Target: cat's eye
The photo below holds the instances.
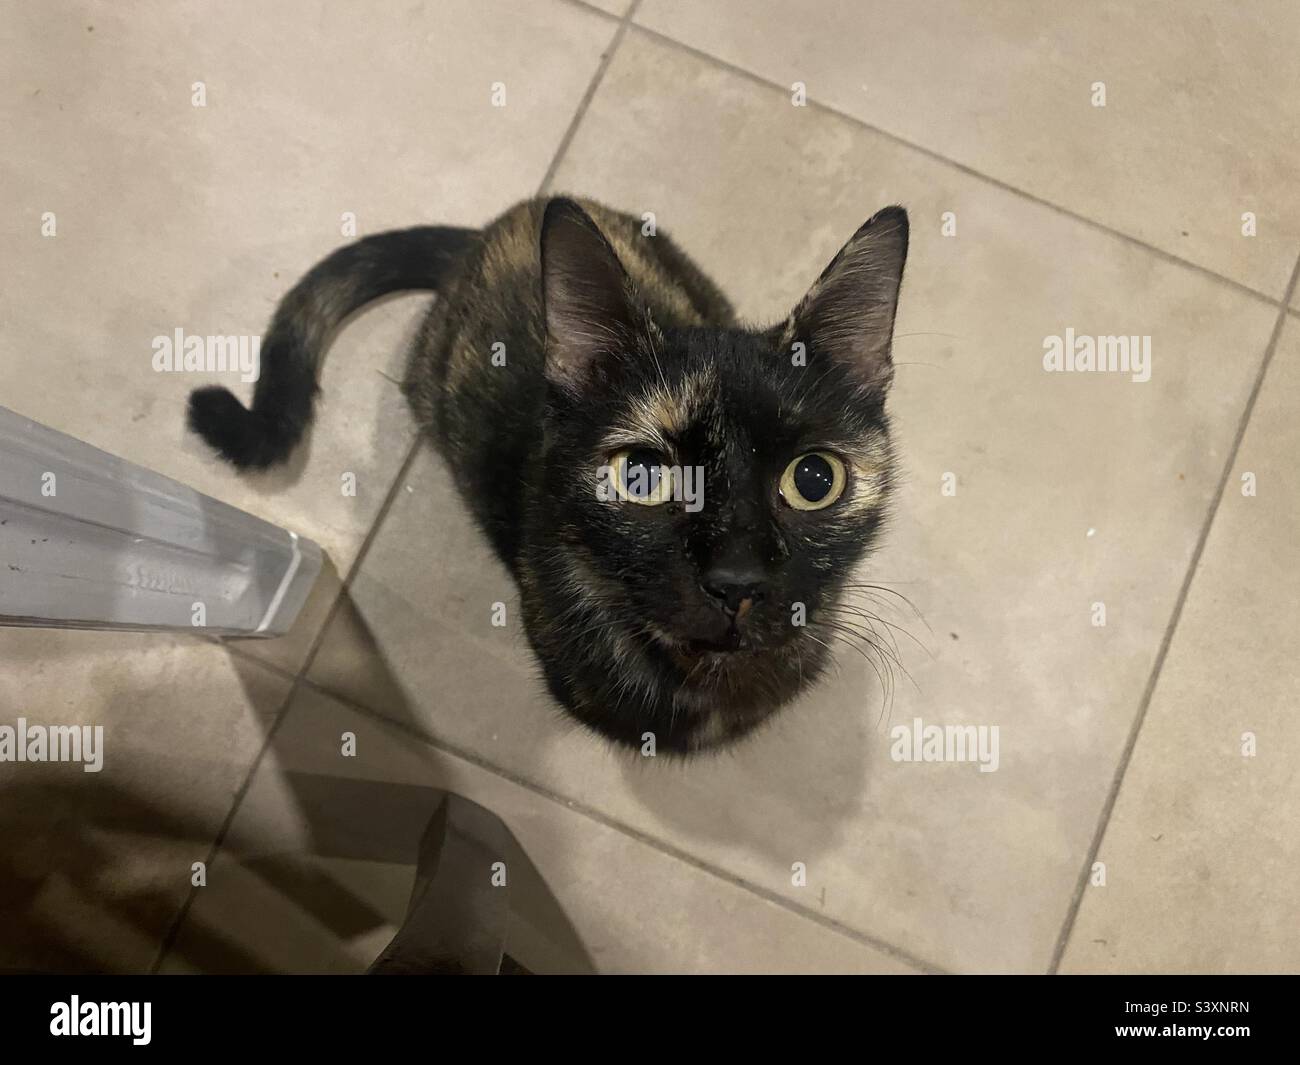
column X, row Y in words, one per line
column 813, row 481
column 642, row 476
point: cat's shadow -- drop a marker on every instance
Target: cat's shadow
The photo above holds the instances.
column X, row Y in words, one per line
column 784, row 795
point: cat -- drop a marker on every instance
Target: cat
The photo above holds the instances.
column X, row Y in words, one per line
column 573, row 372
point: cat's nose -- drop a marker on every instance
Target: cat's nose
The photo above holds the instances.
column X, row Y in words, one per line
column 735, row 589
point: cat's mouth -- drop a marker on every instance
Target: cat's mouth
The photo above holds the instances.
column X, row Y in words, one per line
column 731, row 644
column 690, row 650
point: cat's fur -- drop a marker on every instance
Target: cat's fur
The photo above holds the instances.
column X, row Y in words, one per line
column 611, row 340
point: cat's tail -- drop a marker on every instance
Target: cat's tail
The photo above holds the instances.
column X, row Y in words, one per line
column 419, row 258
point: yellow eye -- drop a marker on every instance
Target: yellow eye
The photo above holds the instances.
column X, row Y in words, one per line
column 642, row 476
column 813, row 481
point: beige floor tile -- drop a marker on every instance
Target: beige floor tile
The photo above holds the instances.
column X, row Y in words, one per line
column 94, row 866
column 318, row 866
column 1201, row 122
column 1071, row 490
column 1202, row 853
column 445, row 604
column 173, row 216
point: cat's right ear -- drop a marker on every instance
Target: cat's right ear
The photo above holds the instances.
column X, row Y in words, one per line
column 849, row 311
column 587, row 295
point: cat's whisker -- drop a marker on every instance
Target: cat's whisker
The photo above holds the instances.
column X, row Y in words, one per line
column 833, row 661
column 888, row 659
column 887, row 686
column 873, row 587
column 867, row 618
column 858, row 611
column 866, row 589
column 884, row 652
column 845, row 618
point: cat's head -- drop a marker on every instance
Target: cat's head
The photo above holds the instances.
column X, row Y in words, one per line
column 711, row 489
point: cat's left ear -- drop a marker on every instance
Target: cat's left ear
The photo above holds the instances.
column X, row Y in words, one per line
column 587, row 295
column 849, row 311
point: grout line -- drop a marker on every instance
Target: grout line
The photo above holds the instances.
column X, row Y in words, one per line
column 964, row 168
column 594, row 10
column 173, row 930
column 606, row 58
column 663, row 847
column 1113, row 794
column 364, row 550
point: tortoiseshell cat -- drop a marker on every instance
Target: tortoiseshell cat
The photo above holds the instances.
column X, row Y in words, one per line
column 569, row 355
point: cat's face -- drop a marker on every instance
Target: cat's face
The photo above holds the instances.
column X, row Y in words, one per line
column 727, row 500
column 711, row 490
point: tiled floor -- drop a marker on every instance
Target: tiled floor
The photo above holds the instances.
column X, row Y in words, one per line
column 1131, row 824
